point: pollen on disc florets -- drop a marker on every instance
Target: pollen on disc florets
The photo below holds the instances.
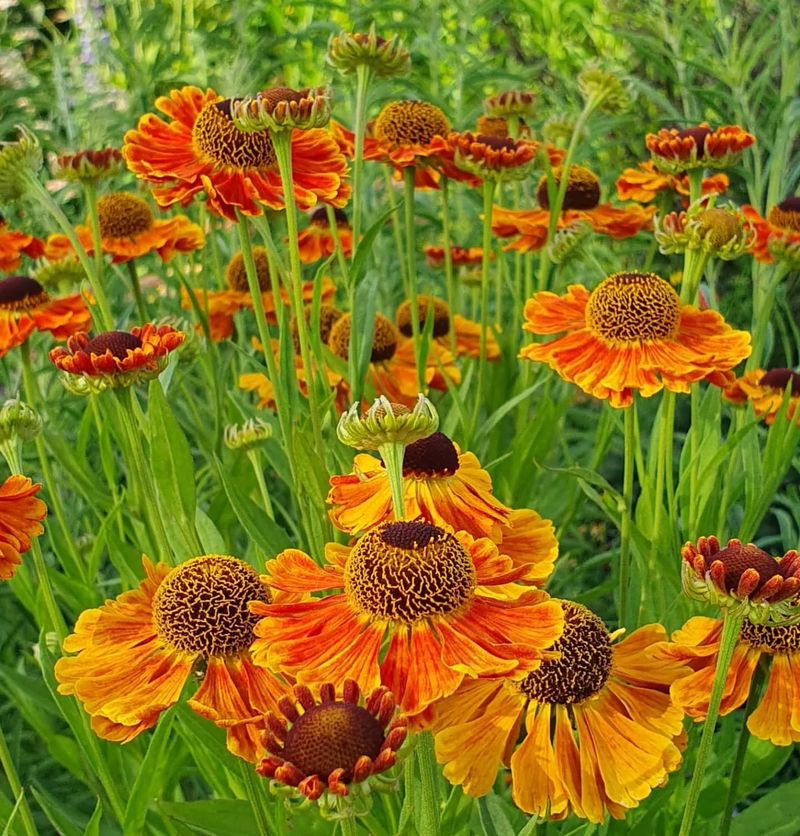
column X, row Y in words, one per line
column 331, row 736
column 236, row 275
column 786, row 214
column 633, row 307
column 119, row 343
column 779, row 379
column 202, row 606
column 410, row 123
column 407, row 571
column 441, row 316
column 771, row 638
column 21, row 293
column 435, row 455
column 123, row 215
column 492, row 126
column 718, row 226
column 218, row 138
column 384, row 338
column 584, row 665
column 583, row 189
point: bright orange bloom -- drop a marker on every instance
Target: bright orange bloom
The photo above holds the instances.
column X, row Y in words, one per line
column 677, row 150
column 421, row 588
column 777, row 235
column 644, row 183
column 459, row 255
column 766, row 391
column 25, row 307
column 128, row 230
column 201, row 150
column 777, row 716
column 631, row 333
column 21, row 514
column 316, row 241
column 529, row 226
column 600, row 730
column 119, row 356
column 14, row 244
column 135, row 653
column 327, row 745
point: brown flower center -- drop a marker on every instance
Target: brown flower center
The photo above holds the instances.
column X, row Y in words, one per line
column 584, row 665
column 410, row 123
column 435, row 455
column 492, row 126
column 499, row 143
column 20, row 293
column 202, row 605
column 236, row 275
column 123, row 215
column 786, row 214
column 331, row 736
column 441, row 316
column 738, row 558
column 699, row 135
column 384, row 338
column 119, row 343
column 783, row 639
column 634, row 307
column 216, row 136
column 274, row 95
column 582, row 192
column 780, row 378
column 718, row 227
column 407, row 571
column 328, row 317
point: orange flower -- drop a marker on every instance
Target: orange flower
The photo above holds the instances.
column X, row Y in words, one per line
column 766, row 391
column 13, row 244
column 25, row 307
column 325, row 746
column 316, row 241
column 777, row 235
column 418, row 586
column 135, row 653
column 459, row 255
column 529, row 226
column 128, row 230
column 21, row 514
column 676, row 151
column 645, row 183
column 600, row 730
column 201, row 150
column 119, row 358
column 631, row 333
column 777, row 716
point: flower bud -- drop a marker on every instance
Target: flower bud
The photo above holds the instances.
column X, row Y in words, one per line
column 386, row 58
column 387, row 423
column 18, row 421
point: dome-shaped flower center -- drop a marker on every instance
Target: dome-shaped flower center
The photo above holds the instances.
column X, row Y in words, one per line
column 328, row 317
column 435, row 455
column 584, row 665
column 737, row 558
column 275, row 95
column 384, row 338
column 583, row 189
column 441, row 316
column 330, row 736
column 410, row 123
column 20, row 293
column 780, row 378
column 217, row 138
column 718, row 227
column 634, row 307
column 123, row 215
column 782, row 639
column 236, row 275
column 320, row 217
column 119, row 343
column 406, row 571
column 499, row 143
column 492, row 126
column 202, row 605
column 786, row 214
column 697, row 134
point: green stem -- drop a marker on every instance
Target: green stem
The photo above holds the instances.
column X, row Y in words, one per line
column 486, row 242
column 763, row 302
column 254, row 787
column 430, row 812
column 741, row 750
column 392, row 455
column 731, row 627
column 16, row 787
column 90, row 193
column 449, row 278
column 262, row 485
column 409, row 173
column 363, row 78
column 337, row 243
column 348, row 825
column 396, row 231
column 694, row 468
column 141, row 308
column 627, row 512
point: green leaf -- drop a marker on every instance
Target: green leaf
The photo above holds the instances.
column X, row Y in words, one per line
column 493, row 818
column 93, row 825
column 774, row 814
column 220, row 817
column 59, row 815
column 210, row 538
column 359, row 266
